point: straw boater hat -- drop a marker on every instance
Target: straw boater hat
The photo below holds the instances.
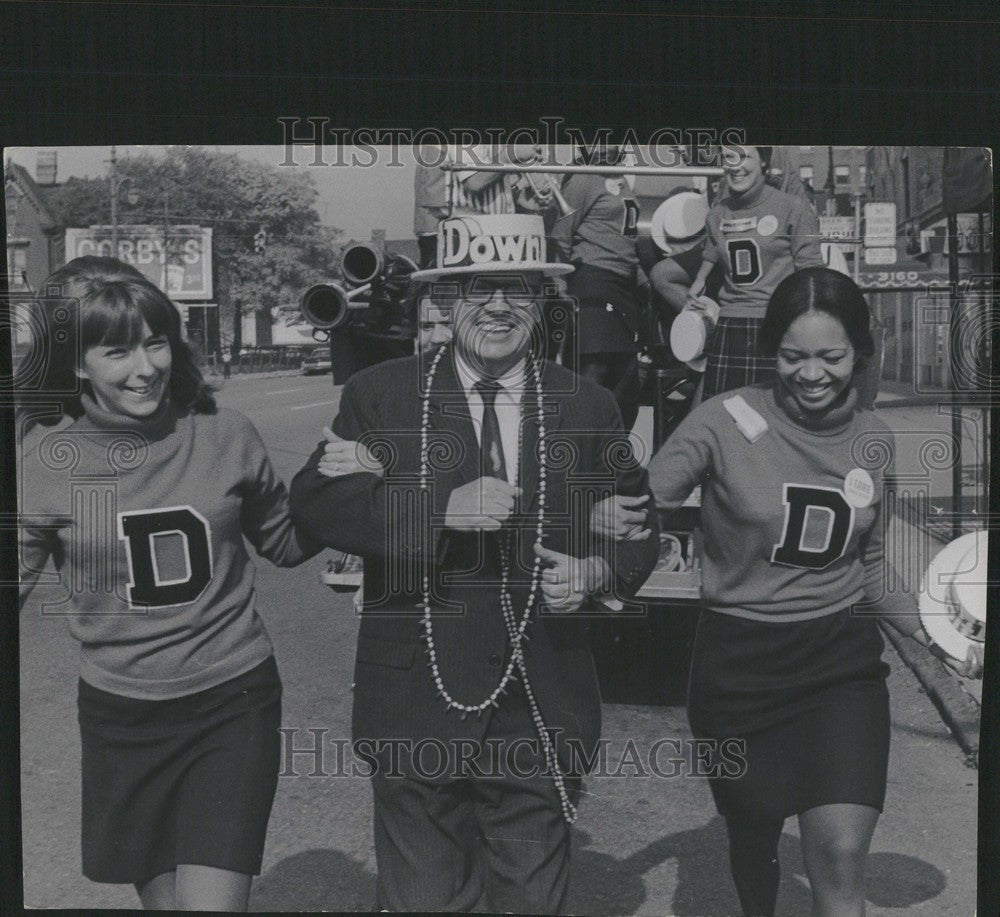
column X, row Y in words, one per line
column 678, row 224
column 953, row 595
column 491, row 244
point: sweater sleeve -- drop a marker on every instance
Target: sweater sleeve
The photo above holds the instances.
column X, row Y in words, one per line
column 711, row 251
column 580, row 195
column 805, row 235
column 685, row 459
column 265, row 517
column 350, row 512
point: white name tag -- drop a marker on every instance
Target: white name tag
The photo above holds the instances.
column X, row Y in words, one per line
column 749, row 422
column 744, row 225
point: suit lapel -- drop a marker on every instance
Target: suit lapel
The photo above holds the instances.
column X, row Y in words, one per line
column 448, row 413
column 552, row 412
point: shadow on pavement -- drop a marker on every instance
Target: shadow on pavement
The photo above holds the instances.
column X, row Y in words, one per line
column 315, row 880
column 601, row 884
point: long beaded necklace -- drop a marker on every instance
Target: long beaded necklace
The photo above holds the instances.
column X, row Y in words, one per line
column 515, row 629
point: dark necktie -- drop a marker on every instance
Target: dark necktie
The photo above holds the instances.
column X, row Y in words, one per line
column 491, row 446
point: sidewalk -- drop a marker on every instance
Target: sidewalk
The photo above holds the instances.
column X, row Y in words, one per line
column 217, row 378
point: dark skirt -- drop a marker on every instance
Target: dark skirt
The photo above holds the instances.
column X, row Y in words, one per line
column 808, row 699
column 600, row 329
column 732, row 360
column 189, row 780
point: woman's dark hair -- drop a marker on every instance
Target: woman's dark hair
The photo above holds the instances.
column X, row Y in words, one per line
column 817, row 289
column 95, row 301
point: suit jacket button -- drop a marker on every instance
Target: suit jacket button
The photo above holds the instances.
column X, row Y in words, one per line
column 494, row 659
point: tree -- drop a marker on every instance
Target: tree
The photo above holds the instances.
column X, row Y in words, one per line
column 236, row 197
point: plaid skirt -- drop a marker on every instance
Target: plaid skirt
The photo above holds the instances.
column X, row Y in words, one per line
column 732, row 357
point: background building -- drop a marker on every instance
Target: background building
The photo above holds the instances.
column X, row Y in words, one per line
column 917, row 321
column 35, row 241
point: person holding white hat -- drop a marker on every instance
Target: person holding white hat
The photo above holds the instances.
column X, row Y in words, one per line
column 787, row 656
column 476, row 701
column 672, row 252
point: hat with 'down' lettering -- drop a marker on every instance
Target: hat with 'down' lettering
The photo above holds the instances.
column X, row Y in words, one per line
column 490, row 244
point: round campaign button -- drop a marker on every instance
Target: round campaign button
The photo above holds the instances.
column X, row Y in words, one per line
column 768, row 225
column 859, row 489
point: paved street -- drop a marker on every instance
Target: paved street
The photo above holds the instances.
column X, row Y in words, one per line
column 644, row 844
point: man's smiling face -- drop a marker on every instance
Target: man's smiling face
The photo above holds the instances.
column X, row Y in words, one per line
column 494, row 318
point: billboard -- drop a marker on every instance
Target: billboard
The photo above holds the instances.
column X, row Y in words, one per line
column 184, row 274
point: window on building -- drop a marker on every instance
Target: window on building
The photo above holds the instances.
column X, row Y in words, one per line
column 842, row 176
column 863, row 177
column 806, row 174
column 17, row 266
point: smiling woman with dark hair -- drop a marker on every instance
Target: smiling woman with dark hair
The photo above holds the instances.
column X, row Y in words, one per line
column 792, row 474
column 179, row 695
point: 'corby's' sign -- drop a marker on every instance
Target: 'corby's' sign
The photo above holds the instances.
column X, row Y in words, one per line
column 183, row 271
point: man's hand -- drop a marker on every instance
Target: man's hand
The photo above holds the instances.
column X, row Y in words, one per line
column 523, row 153
column 617, row 518
column 342, row 456
column 567, row 581
column 972, row 667
column 694, row 294
column 482, row 505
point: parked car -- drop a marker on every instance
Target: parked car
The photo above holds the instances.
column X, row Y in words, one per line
column 317, row 362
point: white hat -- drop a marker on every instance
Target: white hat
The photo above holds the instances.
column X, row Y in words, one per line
column 689, row 333
column 679, row 222
column 953, row 595
column 489, row 244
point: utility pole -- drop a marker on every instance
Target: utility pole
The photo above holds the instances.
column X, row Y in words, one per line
column 831, row 187
column 114, row 203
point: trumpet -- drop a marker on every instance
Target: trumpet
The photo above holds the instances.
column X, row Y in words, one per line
column 539, row 191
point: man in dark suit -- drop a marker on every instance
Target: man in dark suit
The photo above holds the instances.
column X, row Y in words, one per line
column 475, row 687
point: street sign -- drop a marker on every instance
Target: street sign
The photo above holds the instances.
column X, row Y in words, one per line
column 881, row 255
column 831, row 228
column 880, row 225
column 836, row 227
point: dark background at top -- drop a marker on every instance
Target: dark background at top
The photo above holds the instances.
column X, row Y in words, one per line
column 841, row 73
column 87, row 73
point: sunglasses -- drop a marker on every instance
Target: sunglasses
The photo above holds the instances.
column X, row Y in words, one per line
column 479, row 291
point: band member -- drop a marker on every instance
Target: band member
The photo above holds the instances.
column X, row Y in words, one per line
column 759, row 235
column 471, row 191
column 787, row 656
column 608, row 332
column 179, row 694
column 474, row 683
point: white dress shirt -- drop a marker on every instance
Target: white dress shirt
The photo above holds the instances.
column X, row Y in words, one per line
column 508, row 408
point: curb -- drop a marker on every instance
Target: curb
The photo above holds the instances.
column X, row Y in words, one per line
column 957, row 709
column 275, row 374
